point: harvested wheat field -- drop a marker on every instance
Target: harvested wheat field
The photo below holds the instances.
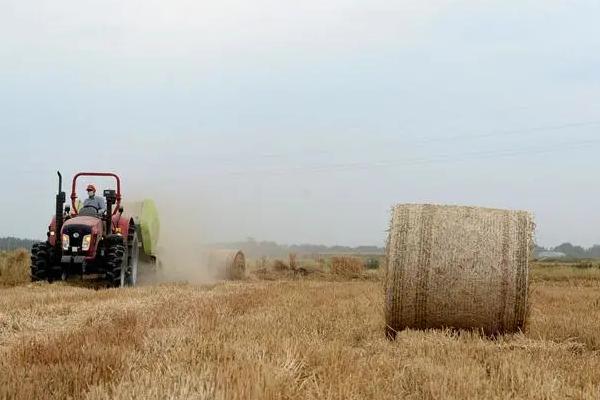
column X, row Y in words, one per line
column 286, row 339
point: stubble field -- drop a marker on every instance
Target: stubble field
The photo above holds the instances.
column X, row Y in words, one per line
column 286, row 337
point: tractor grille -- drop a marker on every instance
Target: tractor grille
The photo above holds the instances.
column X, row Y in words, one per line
column 76, row 234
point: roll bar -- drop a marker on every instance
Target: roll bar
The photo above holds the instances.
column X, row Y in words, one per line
column 106, row 174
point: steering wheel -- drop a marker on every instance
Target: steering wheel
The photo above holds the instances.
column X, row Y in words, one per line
column 97, row 212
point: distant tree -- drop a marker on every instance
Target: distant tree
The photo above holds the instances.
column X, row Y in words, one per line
column 254, row 248
column 572, row 251
column 12, row 243
column 594, row 251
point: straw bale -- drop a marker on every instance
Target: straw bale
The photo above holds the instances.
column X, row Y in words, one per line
column 278, row 265
column 457, row 267
column 347, row 266
column 14, row 267
column 228, row 264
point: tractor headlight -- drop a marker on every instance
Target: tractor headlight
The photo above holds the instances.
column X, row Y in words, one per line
column 65, row 242
column 85, row 244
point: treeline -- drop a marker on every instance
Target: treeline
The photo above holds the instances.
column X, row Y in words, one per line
column 578, row 252
column 12, row 243
column 254, row 248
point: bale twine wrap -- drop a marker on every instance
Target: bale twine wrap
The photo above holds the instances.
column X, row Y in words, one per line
column 457, row 267
column 228, row 264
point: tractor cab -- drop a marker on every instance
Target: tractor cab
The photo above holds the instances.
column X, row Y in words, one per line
column 86, row 227
column 82, row 209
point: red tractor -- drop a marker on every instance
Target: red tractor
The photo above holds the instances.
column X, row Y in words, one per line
column 86, row 242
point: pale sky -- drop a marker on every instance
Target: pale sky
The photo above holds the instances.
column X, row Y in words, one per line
column 304, row 123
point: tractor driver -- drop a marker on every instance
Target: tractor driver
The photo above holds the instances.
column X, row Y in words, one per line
column 93, row 201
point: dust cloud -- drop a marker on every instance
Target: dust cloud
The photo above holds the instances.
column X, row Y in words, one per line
column 183, row 253
column 191, row 214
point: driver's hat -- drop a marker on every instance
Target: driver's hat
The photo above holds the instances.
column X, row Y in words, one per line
column 91, row 188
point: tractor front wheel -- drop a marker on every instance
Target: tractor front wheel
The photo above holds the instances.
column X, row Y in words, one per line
column 116, row 261
column 41, row 258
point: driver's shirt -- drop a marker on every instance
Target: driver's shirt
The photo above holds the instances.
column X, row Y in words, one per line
column 97, row 202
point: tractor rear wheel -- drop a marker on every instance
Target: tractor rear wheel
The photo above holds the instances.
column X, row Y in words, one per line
column 116, row 261
column 41, row 258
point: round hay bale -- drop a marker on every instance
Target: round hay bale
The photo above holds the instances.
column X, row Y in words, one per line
column 457, row 267
column 14, row 267
column 278, row 265
column 228, row 264
column 347, row 266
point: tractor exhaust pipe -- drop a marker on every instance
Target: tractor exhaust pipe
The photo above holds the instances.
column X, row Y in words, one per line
column 109, row 211
column 111, row 198
column 61, row 197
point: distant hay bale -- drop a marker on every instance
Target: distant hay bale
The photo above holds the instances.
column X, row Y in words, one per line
column 457, row 267
column 297, row 268
column 14, row 267
column 347, row 266
column 278, row 265
column 228, row 264
column 293, row 257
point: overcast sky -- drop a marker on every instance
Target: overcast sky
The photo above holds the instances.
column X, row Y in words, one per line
column 304, row 122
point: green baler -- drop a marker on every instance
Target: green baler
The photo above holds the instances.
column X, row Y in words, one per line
column 147, row 222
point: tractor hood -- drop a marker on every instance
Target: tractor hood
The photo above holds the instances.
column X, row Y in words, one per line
column 85, row 224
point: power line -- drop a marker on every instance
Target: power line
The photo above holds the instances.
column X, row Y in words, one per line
column 424, row 141
column 358, row 165
column 512, row 132
column 436, row 159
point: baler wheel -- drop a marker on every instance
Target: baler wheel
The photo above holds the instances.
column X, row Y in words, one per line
column 133, row 256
